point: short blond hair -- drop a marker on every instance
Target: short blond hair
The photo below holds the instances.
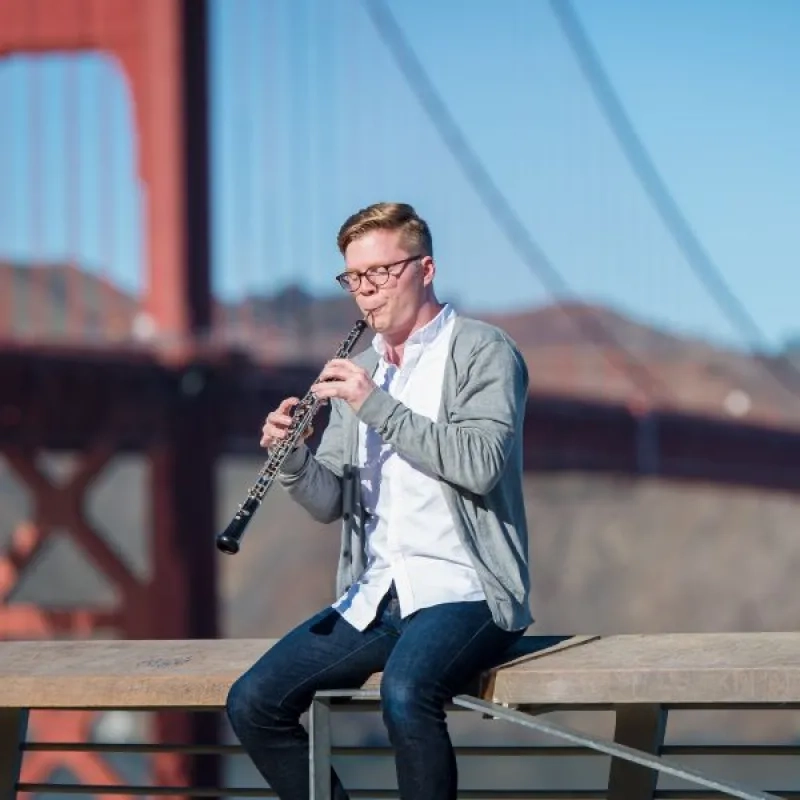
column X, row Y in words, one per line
column 388, row 217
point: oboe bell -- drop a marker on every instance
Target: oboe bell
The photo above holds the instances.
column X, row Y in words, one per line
column 230, row 539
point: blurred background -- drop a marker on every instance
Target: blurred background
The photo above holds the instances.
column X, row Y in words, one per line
column 615, row 183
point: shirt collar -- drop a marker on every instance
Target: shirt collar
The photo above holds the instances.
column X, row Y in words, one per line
column 422, row 336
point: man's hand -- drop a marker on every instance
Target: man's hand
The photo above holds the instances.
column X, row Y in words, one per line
column 276, row 426
column 345, row 380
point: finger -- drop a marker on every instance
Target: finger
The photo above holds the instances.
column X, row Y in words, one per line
column 287, row 404
column 346, row 363
column 326, row 390
column 336, row 369
column 281, row 420
column 276, row 431
column 273, row 437
column 344, row 370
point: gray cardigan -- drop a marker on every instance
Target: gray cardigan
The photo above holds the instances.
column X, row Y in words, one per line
column 474, row 447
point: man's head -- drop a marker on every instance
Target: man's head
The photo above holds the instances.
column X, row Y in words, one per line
column 389, row 267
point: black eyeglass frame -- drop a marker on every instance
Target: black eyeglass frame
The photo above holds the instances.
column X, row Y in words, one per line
column 384, row 270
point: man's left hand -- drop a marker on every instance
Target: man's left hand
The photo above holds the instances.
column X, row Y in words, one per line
column 345, row 380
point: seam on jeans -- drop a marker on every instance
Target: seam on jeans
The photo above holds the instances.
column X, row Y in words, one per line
column 467, row 644
column 331, row 666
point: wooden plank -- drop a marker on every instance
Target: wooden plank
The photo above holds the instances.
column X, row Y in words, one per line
column 666, row 669
column 123, row 673
column 526, row 649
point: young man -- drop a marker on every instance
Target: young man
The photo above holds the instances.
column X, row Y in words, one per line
column 422, row 462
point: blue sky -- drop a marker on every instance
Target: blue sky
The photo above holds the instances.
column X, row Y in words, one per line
column 312, row 120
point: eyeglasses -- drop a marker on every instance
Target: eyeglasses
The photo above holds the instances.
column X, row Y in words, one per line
column 377, row 276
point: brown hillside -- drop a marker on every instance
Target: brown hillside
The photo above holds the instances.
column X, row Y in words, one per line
column 570, row 348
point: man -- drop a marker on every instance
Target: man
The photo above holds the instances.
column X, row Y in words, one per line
column 422, row 461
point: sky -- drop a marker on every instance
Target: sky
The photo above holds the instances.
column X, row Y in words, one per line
column 312, row 119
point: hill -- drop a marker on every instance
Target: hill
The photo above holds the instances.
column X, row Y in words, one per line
column 571, row 348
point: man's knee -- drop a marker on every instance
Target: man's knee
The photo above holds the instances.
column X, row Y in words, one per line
column 239, row 706
column 406, row 702
column 249, row 703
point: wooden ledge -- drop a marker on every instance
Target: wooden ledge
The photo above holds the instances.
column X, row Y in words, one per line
column 695, row 668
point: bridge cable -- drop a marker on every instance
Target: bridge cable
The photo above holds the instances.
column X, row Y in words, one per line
column 643, row 167
column 496, row 203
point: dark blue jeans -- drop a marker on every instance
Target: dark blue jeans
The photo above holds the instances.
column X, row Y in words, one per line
column 426, row 659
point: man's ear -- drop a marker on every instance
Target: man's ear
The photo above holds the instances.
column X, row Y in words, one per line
column 428, row 270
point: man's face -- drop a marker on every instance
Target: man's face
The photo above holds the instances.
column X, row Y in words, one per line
column 392, row 306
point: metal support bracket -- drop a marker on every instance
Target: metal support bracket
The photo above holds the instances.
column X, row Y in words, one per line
column 635, row 759
column 643, row 728
column 319, row 750
column 617, row 750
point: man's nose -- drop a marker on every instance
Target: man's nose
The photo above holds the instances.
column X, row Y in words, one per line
column 366, row 288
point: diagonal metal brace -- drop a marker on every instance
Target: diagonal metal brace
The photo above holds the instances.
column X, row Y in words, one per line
column 610, row 748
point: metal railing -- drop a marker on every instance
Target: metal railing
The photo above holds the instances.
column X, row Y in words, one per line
column 578, row 744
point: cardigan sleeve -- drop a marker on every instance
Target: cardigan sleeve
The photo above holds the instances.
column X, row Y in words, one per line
column 471, row 448
column 315, row 480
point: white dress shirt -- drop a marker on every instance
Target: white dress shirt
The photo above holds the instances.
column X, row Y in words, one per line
column 410, row 536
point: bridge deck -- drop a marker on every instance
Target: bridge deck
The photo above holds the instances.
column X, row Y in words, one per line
column 57, row 399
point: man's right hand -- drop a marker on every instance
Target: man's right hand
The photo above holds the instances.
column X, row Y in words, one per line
column 276, row 425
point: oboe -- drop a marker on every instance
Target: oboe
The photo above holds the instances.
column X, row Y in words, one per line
column 303, row 413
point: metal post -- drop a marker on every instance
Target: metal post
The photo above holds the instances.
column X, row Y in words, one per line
column 319, row 752
column 643, row 728
column 13, row 728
